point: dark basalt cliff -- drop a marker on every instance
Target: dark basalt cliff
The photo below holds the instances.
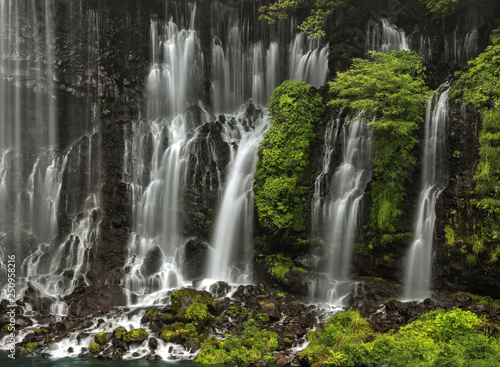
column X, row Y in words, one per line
column 102, row 62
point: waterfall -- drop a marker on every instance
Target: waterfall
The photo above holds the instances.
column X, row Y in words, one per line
column 383, row 36
column 234, row 223
column 434, row 180
column 243, row 66
column 460, row 48
column 341, row 212
column 308, row 60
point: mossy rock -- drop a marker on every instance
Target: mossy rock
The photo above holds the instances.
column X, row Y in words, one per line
column 136, row 335
column 185, row 297
column 216, row 308
column 167, row 318
column 29, row 347
column 178, row 326
column 150, row 315
column 271, row 308
column 262, row 318
column 102, row 338
column 198, row 312
column 119, row 332
column 181, row 316
column 94, row 348
column 168, row 335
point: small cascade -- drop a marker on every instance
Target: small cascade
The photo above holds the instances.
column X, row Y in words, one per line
column 383, row 36
column 434, row 180
column 308, row 60
column 321, row 184
column 240, row 70
column 461, row 48
column 341, row 211
column 234, row 222
column 160, row 149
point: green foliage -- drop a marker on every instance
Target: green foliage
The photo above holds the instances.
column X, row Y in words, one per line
column 252, row 346
column 94, row 348
column 438, row 338
column 487, row 176
column 284, row 158
column 280, row 265
column 389, row 90
column 198, row 312
column 441, row 8
column 480, row 84
column 314, row 24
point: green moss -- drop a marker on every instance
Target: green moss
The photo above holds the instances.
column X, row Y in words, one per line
column 189, row 296
column 38, row 331
column 198, row 312
column 151, row 314
column 119, row 332
column 262, row 318
column 167, row 318
column 438, row 338
column 102, row 338
column 136, row 335
column 168, row 335
column 94, row 348
column 30, row 347
column 248, row 349
column 279, row 265
column 283, row 160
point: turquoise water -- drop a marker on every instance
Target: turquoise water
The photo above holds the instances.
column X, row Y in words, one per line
column 86, row 362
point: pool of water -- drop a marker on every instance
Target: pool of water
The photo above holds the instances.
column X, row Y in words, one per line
column 5, row 361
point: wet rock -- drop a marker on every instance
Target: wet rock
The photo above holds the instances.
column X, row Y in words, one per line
column 195, row 258
column 152, row 261
column 153, row 343
column 308, row 262
column 220, row 289
column 135, row 336
column 183, row 298
column 271, row 308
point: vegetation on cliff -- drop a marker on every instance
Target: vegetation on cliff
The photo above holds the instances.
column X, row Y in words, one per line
column 390, row 91
column 283, row 159
column 438, row 338
column 478, row 222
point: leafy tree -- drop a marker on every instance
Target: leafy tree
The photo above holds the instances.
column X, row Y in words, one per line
column 284, row 157
column 390, row 91
column 314, row 24
column 441, row 8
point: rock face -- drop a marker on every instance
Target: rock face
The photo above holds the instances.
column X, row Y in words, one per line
column 102, row 59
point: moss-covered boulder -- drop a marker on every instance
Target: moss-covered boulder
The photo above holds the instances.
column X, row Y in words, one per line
column 150, row 315
column 135, row 336
column 185, row 297
column 271, row 308
column 94, row 348
column 119, row 332
column 167, row 318
column 102, row 338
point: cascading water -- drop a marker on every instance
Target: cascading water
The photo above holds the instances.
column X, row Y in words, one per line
column 341, row 213
column 163, row 143
column 434, row 180
column 34, row 170
column 159, row 154
column 234, row 223
column 383, row 36
column 308, row 60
